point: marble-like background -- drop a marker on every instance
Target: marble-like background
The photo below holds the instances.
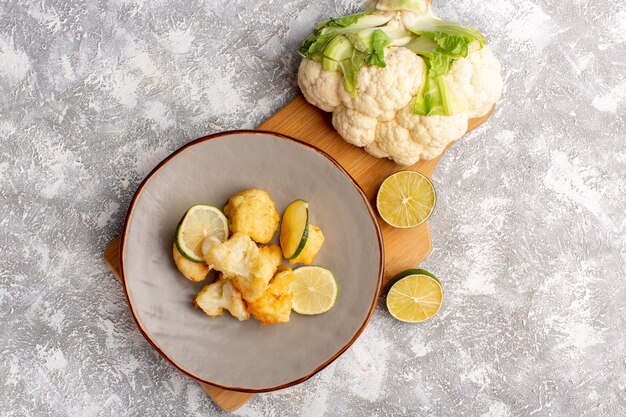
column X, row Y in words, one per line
column 528, row 234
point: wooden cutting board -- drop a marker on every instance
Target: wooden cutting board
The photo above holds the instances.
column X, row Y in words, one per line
column 404, row 248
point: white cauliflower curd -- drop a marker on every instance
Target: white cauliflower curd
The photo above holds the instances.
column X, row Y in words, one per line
column 240, row 260
column 399, row 81
column 220, row 295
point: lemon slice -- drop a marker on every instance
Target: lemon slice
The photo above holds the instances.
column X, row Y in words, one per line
column 199, row 223
column 314, row 290
column 415, row 296
column 406, row 199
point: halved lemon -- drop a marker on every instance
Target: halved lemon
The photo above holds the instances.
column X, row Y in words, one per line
column 406, row 199
column 199, row 223
column 294, row 230
column 314, row 290
column 415, row 296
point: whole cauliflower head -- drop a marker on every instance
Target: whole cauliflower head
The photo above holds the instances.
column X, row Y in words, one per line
column 220, row 295
column 274, row 306
column 412, row 92
column 254, row 213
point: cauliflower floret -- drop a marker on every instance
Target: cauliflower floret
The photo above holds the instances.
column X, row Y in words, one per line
column 355, row 127
column 477, row 78
column 311, row 248
column 274, row 306
column 395, row 142
column 320, row 88
column 193, row 271
column 272, row 254
column 381, row 92
column 234, row 256
column 411, row 138
column 254, row 213
column 435, row 132
column 213, row 298
column 239, row 259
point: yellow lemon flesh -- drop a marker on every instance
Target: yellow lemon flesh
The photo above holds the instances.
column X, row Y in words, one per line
column 314, row 290
column 415, row 297
column 406, row 199
column 199, row 223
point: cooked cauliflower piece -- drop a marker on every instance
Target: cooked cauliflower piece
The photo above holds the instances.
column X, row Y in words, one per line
column 240, row 260
column 262, row 270
column 273, row 255
column 193, row 271
column 274, row 306
column 311, row 248
column 254, row 213
column 220, row 295
column 234, row 256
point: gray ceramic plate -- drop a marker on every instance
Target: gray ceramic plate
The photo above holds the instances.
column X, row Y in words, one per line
column 224, row 352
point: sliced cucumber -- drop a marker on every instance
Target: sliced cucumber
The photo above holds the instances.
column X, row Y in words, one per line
column 294, row 230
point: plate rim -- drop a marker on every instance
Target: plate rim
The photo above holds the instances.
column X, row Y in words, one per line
column 370, row 210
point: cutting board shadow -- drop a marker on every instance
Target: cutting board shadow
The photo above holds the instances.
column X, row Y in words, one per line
column 404, row 248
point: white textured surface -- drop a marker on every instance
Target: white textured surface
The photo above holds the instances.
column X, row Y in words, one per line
column 528, row 233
